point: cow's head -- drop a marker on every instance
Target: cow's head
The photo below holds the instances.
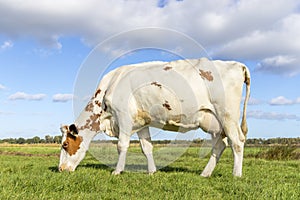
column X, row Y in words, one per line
column 72, row 150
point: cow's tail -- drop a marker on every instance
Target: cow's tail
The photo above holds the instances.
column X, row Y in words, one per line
column 247, row 77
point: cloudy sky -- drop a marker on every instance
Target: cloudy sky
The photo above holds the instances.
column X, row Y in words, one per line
column 44, row 44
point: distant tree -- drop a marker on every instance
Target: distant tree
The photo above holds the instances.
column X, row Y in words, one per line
column 30, row 141
column 36, row 139
column 57, row 139
column 198, row 141
column 10, row 140
column 48, row 139
column 21, row 140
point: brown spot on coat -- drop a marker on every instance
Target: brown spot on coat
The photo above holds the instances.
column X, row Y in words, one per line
column 90, row 106
column 98, row 103
column 206, row 75
column 92, row 123
column 167, row 105
column 156, row 84
column 72, row 144
column 95, row 126
column 166, row 68
column 97, row 92
column 94, row 117
column 83, row 127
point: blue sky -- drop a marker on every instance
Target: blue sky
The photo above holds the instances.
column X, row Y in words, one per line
column 45, row 44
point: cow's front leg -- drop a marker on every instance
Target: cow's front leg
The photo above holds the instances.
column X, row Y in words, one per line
column 123, row 145
column 218, row 146
column 147, row 148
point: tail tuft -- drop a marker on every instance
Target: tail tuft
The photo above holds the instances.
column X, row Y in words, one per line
column 247, row 81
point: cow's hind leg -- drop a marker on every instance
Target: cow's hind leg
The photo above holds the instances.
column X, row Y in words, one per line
column 210, row 124
column 236, row 141
column 145, row 140
column 218, row 146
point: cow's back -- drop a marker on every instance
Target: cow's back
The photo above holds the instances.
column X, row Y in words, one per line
column 163, row 91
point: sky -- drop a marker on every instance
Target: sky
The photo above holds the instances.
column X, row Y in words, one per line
column 46, row 46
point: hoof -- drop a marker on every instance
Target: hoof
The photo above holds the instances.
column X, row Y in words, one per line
column 205, row 175
column 151, row 173
column 115, row 172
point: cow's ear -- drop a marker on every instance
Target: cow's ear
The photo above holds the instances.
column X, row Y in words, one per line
column 73, row 130
column 63, row 129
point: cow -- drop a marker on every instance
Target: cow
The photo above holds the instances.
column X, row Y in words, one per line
column 178, row 96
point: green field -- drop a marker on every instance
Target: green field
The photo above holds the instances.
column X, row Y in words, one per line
column 30, row 172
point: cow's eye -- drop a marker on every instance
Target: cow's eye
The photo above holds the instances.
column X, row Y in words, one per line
column 65, row 145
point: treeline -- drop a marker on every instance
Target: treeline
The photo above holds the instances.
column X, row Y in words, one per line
column 269, row 141
column 35, row 140
column 57, row 139
column 197, row 142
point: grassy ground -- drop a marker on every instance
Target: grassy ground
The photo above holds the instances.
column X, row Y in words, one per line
column 33, row 174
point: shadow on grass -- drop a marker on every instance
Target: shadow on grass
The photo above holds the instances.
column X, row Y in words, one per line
column 89, row 165
column 132, row 168
column 138, row 168
column 53, row 169
column 96, row 166
column 178, row 169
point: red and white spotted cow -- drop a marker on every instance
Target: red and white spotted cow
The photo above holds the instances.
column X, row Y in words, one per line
column 179, row 96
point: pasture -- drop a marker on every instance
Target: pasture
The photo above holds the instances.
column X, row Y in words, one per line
column 30, row 172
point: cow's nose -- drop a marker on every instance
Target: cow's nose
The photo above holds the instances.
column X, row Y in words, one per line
column 65, row 167
column 61, row 168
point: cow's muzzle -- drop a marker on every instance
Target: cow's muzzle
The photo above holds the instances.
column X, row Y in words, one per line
column 63, row 167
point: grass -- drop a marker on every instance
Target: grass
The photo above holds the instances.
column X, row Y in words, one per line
column 279, row 153
column 36, row 177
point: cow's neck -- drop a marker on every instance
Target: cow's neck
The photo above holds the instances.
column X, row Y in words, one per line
column 88, row 124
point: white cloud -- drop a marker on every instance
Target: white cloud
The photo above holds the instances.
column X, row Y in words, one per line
column 25, row 96
column 229, row 29
column 286, row 65
column 276, row 48
column 277, row 101
column 258, row 114
column 62, row 97
column 6, row 45
column 2, row 87
column 254, row 101
column 281, row 100
column 6, row 113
